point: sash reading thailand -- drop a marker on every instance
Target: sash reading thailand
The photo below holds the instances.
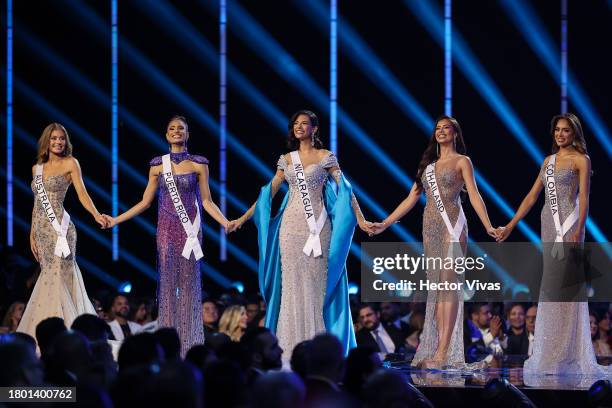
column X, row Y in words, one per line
column 313, row 243
column 191, row 244
column 551, row 192
column 454, row 232
column 61, row 245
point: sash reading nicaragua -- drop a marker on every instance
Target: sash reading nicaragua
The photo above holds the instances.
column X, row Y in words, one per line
column 454, row 232
column 191, row 229
column 551, row 192
column 61, row 245
column 313, row 243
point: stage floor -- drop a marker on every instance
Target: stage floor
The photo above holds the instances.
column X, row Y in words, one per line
column 478, row 379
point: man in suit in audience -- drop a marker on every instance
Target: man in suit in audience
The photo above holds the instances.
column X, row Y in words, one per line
column 121, row 327
column 385, row 340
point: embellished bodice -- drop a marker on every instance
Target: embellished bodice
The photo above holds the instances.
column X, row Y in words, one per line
column 56, row 188
column 187, row 185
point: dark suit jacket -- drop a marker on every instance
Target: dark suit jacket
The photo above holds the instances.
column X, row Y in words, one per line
column 518, row 344
column 364, row 338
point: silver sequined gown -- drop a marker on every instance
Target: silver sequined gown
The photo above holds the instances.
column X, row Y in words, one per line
column 59, row 290
column 436, row 242
column 303, row 278
column 562, row 343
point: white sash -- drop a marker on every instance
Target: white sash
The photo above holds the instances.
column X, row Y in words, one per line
column 61, row 245
column 313, row 243
column 191, row 244
column 454, row 232
column 551, row 192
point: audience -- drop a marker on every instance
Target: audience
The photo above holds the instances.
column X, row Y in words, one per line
column 121, row 326
column 385, row 340
column 517, row 339
column 12, row 317
column 240, row 366
column 530, row 321
column 233, row 322
column 210, row 317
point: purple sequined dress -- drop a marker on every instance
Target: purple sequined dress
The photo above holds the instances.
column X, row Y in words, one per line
column 179, row 290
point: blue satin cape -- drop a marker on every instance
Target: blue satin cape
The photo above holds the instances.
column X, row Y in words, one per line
column 336, row 308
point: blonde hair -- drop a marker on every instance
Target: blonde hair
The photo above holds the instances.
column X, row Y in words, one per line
column 579, row 142
column 43, row 143
column 8, row 317
column 230, row 322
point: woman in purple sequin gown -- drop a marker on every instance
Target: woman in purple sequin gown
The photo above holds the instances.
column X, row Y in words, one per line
column 179, row 286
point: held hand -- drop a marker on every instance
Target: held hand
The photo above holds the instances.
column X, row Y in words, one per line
column 503, row 233
column 493, row 232
column 102, row 220
column 34, row 248
column 110, row 222
column 378, row 227
column 366, row 226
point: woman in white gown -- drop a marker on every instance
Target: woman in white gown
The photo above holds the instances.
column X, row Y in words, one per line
column 59, row 290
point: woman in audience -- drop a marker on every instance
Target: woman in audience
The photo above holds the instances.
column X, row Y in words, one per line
column 233, row 322
column 12, row 317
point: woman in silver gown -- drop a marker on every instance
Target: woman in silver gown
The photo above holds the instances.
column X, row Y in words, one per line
column 303, row 277
column 59, row 290
column 441, row 344
column 562, row 343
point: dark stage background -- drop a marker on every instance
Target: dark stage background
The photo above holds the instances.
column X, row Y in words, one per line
column 169, row 64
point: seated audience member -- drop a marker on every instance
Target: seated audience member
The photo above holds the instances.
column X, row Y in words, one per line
column 517, row 339
column 390, row 315
column 391, row 388
column 262, row 351
column 299, row 359
column 12, row 317
column 46, row 331
column 233, row 322
column 20, row 366
column 210, row 317
column 385, row 340
column 138, row 312
column 69, row 360
column 225, row 384
column 140, row 349
column 168, row 339
column 361, row 362
column 252, row 310
column 530, row 321
column 325, row 368
column 92, row 327
column 600, row 326
column 490, row 327
column 99, row 309
column 120, row 326
column 278, row 390
column 200, row 356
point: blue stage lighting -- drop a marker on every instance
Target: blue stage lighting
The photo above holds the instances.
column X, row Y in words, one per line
column 125, row 287
column 353, row 288
column 9, row 122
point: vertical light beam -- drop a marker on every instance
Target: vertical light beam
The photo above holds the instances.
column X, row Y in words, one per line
column 333, row 76
column 9, row 122
column 448, row 58
column 563, row 56
column 222, row 121
column 114, row 126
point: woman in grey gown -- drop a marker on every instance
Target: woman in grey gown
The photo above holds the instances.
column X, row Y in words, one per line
column 562, row 343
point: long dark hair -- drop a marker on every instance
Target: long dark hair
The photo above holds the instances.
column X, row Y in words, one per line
column 430, row 154
column 579, row 142
column 292, row 142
